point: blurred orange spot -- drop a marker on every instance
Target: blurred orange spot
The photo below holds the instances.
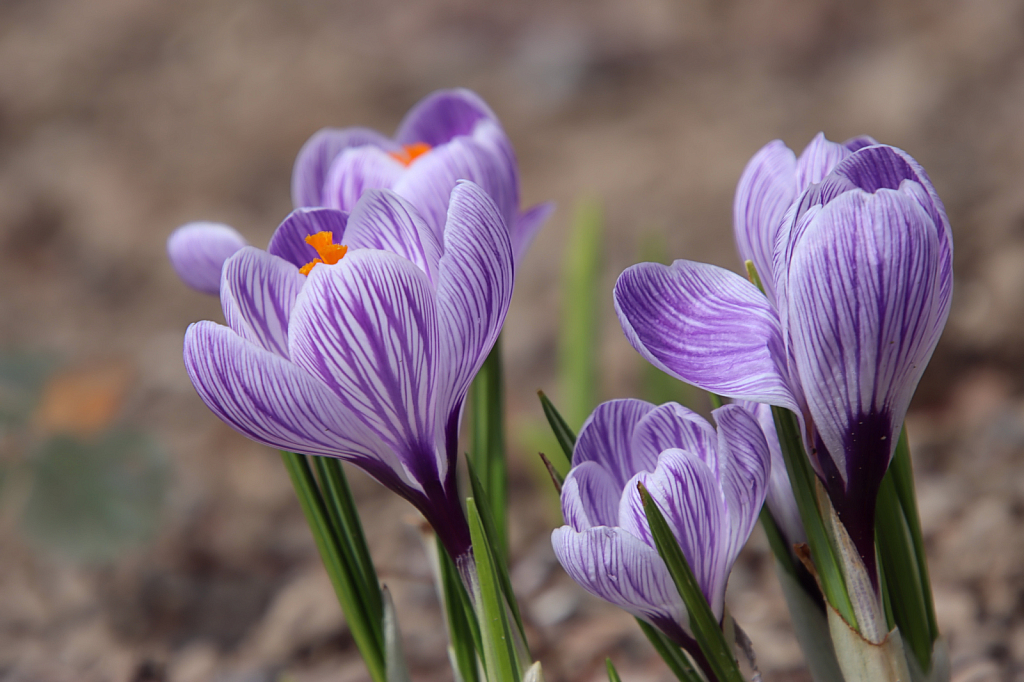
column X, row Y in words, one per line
column 410, row 152
column 330, row 253
column 83, row 401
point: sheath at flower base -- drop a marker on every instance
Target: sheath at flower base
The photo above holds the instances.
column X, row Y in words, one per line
column 861, row 271
column 709, row 485
column 448, row 136
column 368, row 359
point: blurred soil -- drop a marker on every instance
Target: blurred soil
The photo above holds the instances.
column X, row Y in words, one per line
column 121, row 119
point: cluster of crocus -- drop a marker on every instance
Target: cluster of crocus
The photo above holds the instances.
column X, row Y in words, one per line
column 854, row 254
column 357, row 333
column 710, row 485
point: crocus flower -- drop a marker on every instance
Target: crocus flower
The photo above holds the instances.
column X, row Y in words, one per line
column 448, row 136
column 858, row 281
column 709, row 485
column 369, row 357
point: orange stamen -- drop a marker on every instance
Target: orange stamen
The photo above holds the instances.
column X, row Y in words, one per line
column 330, row 253
column 410, row 152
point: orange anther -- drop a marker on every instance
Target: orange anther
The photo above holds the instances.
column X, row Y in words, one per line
column 330, row 253
column 410, row 152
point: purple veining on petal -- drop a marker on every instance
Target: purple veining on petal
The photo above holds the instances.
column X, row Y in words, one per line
column 485, row 159
column 706, row 326
column 271, row 400
column 590, row 497
column 621, row 569
column 197, row 252
column 745, row 462
column 385, row 221
column 289, row 240
column 671, row 426
column 316, row 156
column 367, row 328
column 765, row 190
column 357, row 170
column 817, row 161
column 474, row 290
column 606, row 437
column 258, row 291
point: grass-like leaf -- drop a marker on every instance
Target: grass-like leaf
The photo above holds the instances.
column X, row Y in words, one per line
column 563, row 432
column 488, row 438
column 582, row 298
column 366, row 630
column 905, row 595
column 705, row 626
column 463, row 629
column 500, row 560
column 803, row 479
column 343, row 514
column 613, row 674
column 500, row 659
column 675, row 658
column 903, row 480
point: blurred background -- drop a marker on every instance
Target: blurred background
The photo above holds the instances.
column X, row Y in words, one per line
column 142, row 540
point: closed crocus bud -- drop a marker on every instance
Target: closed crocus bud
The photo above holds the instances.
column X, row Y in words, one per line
column 198, row 251
column 709, row 484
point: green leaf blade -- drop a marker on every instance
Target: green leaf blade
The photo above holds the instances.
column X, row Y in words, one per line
column 705, row 626
column 500, row 658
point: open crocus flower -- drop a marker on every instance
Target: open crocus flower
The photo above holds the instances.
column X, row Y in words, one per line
column 367, row 359
column 450, row 135
column 709, row 485
column 861, row 275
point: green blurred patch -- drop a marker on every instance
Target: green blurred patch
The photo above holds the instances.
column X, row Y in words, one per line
column 93, row 498
column 22, row 377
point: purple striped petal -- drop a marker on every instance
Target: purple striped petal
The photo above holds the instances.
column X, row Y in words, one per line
column 817, row 160
column 865, row 288
column 357, row 170
column 617, row 567
column 746, row 467
column 766, row 189
column 780, row 497
column 857, row 143
column 606, row 438
column 320, row 151
column 474, row 289
column 367, row 328
column 267, row 398
column 485, row 159
column 289, row 241
column 527, row 225
column 590, row 497
column 688, row 495
column 442, row 115
column 671, row 426
column 257, row 293
column 383, row 220
column 706, row 326
column 197, row 252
